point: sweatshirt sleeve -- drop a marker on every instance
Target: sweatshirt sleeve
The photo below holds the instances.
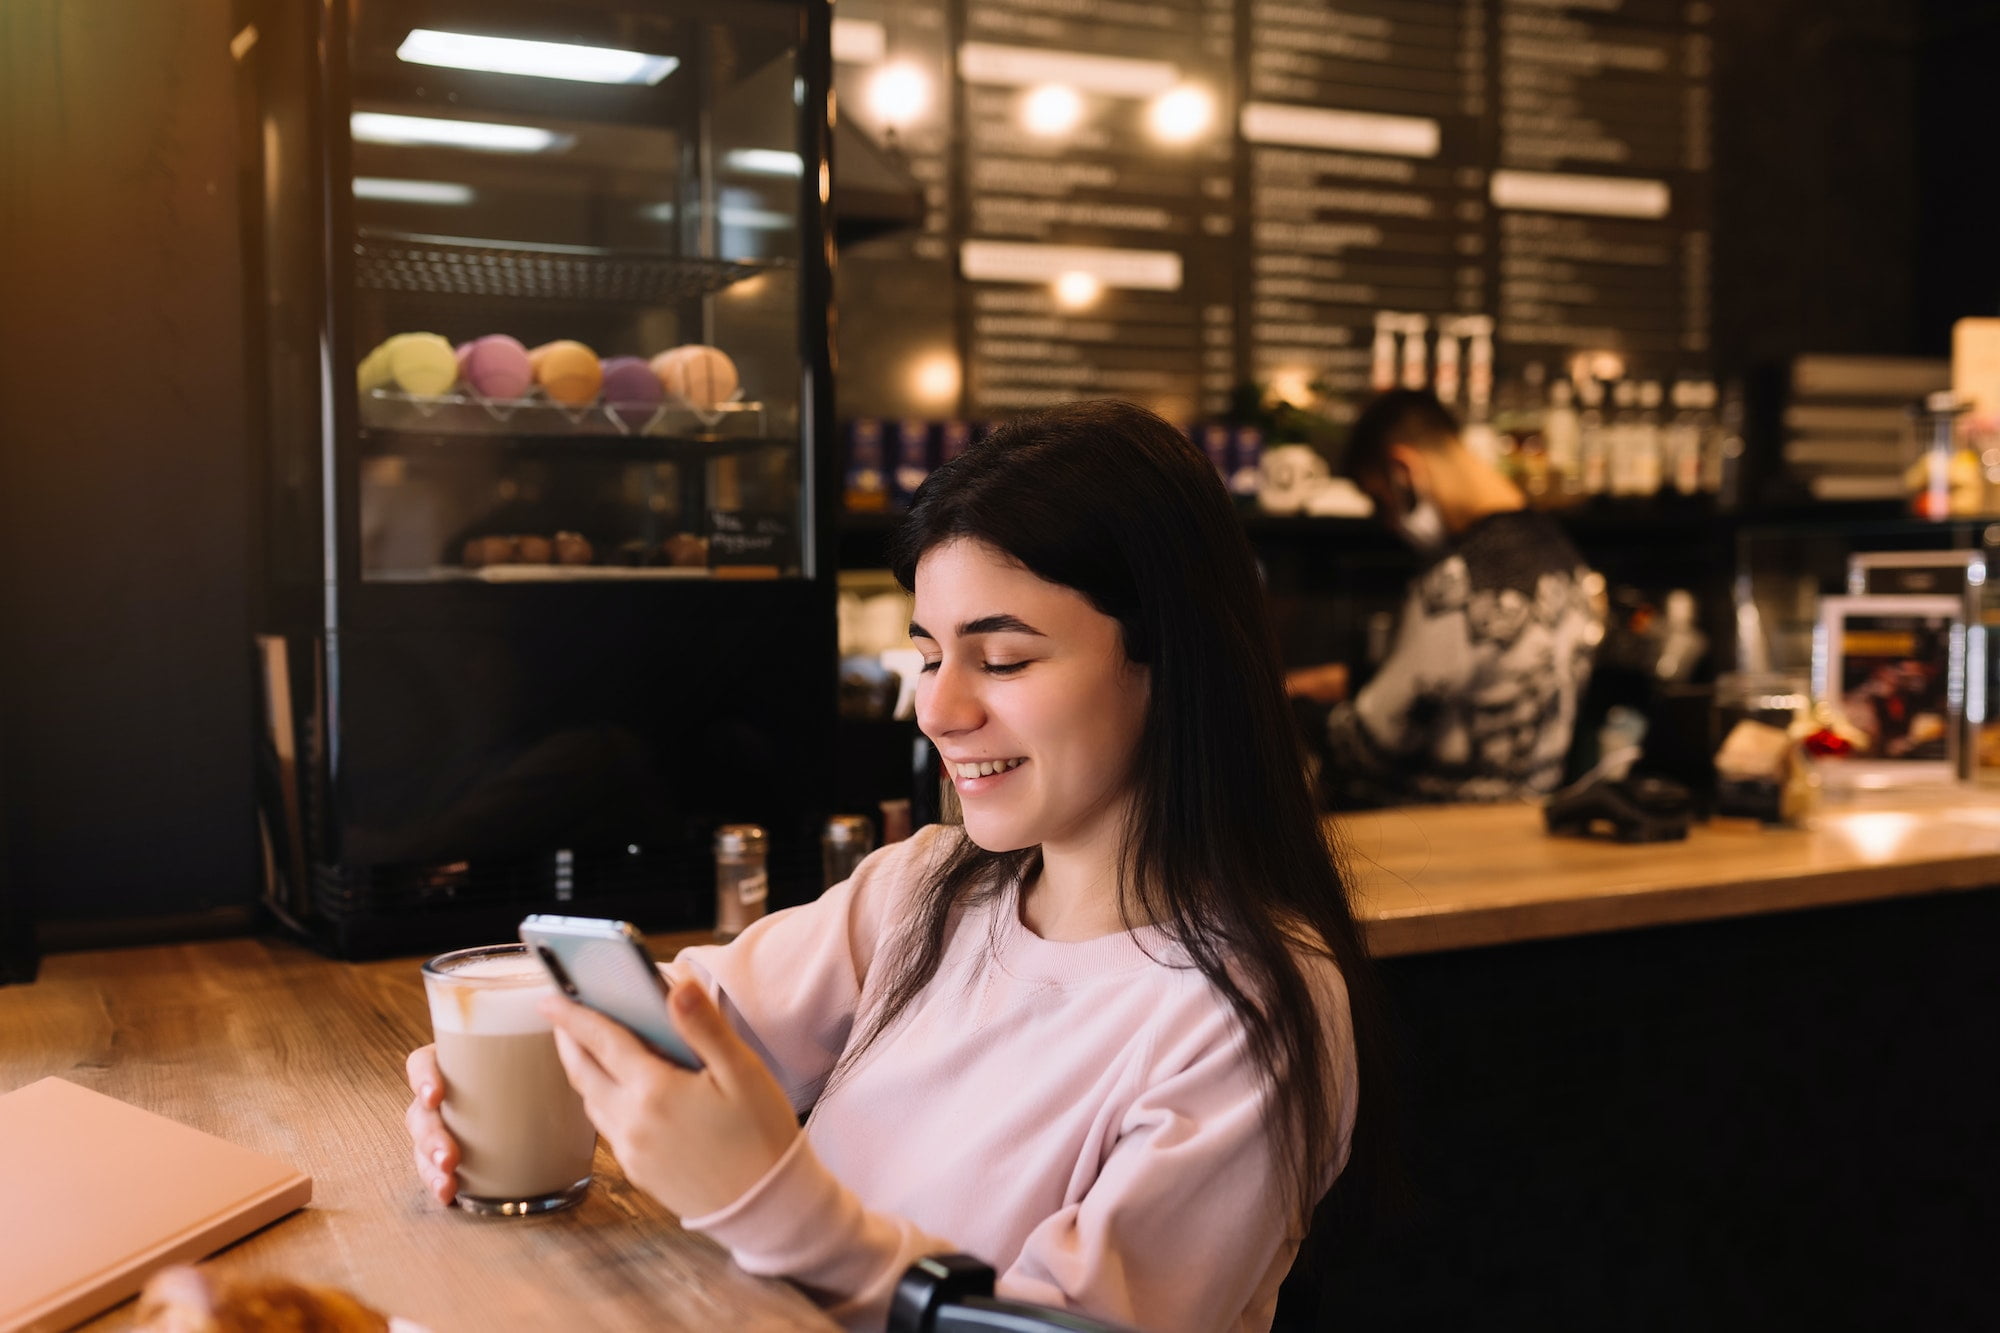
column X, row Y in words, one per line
column 801, row 1223
column 1181, row 1230
column 792, row 982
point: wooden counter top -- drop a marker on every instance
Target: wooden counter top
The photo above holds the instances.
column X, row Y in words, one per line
column 1432, row 878
column 270, row 1046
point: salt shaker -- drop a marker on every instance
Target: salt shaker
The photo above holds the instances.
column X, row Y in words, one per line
column 742, row 881
column 845, row 840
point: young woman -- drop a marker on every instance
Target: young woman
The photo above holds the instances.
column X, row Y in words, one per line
column 1109, row 1034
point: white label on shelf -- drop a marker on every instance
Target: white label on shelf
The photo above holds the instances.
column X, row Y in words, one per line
column 1560, row 192
column 1020, row 261
column 1355, row 131
column 859, row 41
column 1027, row 66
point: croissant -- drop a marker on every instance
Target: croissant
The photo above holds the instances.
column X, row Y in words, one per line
column 193, row 1300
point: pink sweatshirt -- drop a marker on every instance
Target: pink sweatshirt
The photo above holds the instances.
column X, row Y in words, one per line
column 1082, row 1117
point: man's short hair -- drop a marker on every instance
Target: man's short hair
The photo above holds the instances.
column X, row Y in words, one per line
column 1400, row 416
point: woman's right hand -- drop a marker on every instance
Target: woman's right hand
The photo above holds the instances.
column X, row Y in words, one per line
column 431, row 1144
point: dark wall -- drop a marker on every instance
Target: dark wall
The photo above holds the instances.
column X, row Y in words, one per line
column 125, row 694
column 1850, row 216
column 1856, row 176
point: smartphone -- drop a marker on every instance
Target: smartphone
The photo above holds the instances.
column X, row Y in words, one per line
column 604, row 965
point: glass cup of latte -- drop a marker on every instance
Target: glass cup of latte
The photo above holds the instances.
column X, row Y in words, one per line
column 524, row 1141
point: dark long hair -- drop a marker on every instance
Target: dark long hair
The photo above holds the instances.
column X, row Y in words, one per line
column 1226, row 850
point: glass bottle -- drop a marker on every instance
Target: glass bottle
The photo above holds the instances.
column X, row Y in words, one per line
column 842, row 844
column 742, row 878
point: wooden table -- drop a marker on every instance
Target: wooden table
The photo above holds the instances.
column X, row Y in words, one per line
column 1432, row 878
column 270, row 1046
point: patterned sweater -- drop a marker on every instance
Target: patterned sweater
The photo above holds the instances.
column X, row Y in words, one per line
column 1478, row 696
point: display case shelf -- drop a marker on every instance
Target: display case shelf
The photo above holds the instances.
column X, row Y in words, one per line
column 518, row 271
column 461, row 417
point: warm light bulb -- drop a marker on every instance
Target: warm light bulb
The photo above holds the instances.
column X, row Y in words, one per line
column 1293, row 387
column 1181, row 115
column 1052, row 109
column 1076, row 290
column 934, row 380
column 898, row 94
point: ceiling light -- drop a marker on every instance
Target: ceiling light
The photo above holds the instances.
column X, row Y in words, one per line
column 1076, row 289
column 395, row 191
column 1052, row 109
column 380, row 127
column 1182, row 114
column 898, row 94
column 540, row 60
column 762, row 162
column 934, row 379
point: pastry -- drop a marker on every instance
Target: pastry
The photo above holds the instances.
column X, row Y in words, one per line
column 203, row 1300
column 568, row 372
column 422, row 364
column 496, row 366
column 703, row 377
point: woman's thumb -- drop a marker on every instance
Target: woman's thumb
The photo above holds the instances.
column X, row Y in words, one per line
column 703, row 1027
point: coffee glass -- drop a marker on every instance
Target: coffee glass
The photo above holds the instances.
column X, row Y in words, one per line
column 524, row 1141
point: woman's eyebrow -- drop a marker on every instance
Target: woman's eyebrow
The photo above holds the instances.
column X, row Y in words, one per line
column 997, row 624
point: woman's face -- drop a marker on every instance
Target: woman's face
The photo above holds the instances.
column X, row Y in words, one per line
column 1029, row 698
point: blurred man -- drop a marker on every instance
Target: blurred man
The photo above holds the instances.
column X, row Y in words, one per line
column 1477, row 698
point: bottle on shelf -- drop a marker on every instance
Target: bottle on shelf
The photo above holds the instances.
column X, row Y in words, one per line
column 1683, row 438
column 742, row 880
column 1593, row 437
column 1646, row 463
column 1627, row 437
column 1723, row 457
column 1562, row 440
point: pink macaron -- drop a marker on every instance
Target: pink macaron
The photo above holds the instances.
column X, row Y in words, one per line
column 496, row 366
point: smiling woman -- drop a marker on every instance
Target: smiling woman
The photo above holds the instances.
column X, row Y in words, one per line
column 1109, row 1033
column 1036, row 712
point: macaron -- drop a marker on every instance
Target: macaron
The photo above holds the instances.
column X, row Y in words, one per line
column 631, row 388
column 495, row 366
column 422, row 364
column 701, row 376
column 568, row 372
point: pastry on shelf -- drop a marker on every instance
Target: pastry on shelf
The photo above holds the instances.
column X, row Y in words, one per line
column 701, row 376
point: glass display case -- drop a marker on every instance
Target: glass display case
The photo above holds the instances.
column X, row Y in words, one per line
column 539, row 306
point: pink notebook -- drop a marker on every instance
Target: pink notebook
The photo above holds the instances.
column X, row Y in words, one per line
column 98, row 1194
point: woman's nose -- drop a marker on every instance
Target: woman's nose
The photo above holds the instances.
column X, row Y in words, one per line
column 948, row 702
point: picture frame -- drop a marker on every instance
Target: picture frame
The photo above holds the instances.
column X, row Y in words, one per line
column 1892, row 666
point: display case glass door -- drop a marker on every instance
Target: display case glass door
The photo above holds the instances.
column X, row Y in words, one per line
column 575, row 291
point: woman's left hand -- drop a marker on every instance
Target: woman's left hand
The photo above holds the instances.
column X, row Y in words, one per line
column 696, row 1140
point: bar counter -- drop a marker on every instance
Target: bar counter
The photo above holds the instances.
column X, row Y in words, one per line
column 1432, row 878
column 268, row 1045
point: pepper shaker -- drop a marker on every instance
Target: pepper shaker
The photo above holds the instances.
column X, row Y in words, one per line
column 845, row 840
column 742, row 879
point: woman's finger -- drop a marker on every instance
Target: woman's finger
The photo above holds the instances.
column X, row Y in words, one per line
column 588, row 1077
column 618, row 1053
column 421, row 1068
column 707, row 1033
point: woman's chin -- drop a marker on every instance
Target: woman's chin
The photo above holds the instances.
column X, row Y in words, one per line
column 989, row 838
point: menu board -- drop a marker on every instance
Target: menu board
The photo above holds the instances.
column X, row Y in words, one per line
column 1097, row 186
column 1364, row 157
column 1164, row 201
column 1601, row 179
